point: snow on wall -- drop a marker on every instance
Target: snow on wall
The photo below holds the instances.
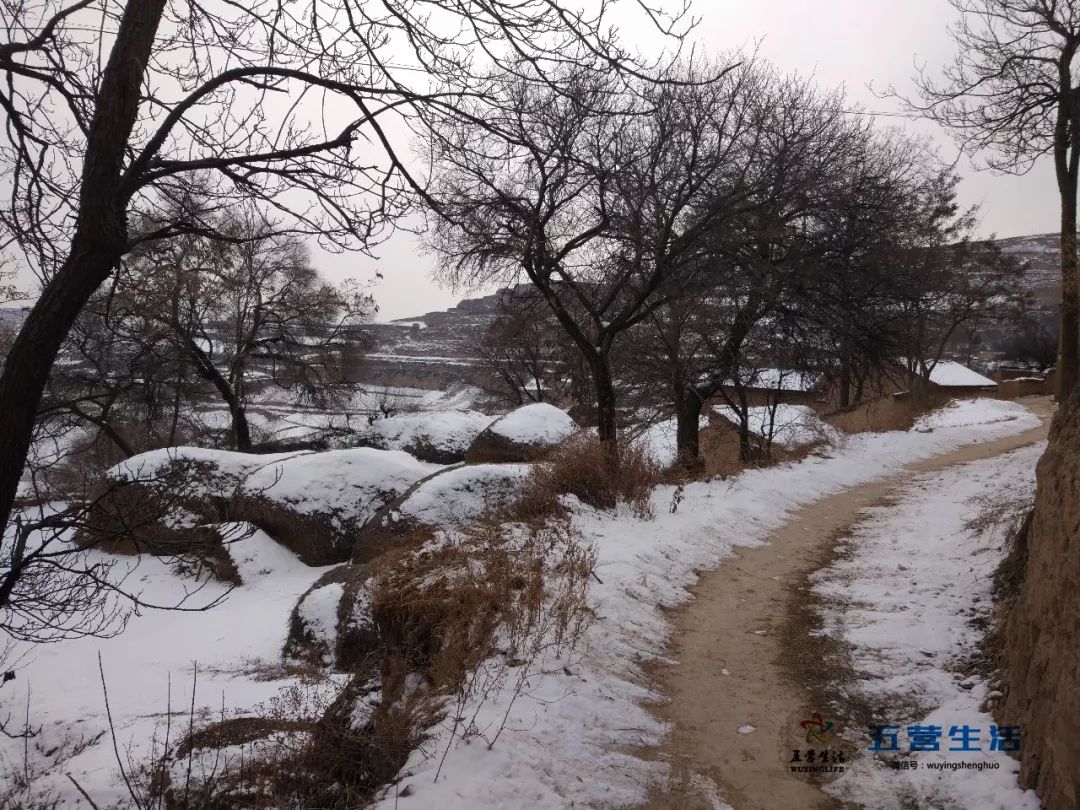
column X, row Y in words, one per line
column 791, row 426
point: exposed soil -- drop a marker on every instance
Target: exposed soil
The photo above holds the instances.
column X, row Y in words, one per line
column 1041, row 631
column 746, row 659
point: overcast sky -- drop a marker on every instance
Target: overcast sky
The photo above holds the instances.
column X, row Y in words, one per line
column 841, row 42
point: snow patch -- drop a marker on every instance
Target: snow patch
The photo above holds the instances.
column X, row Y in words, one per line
column 350, row 485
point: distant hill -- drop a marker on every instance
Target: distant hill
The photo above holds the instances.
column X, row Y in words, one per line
column 1042, row 253
column 12, row 317
column 433, row 350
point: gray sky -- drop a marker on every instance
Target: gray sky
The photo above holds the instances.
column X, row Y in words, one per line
column 841, row 42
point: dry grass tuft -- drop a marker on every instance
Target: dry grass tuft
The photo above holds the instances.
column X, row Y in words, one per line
column 589, row 470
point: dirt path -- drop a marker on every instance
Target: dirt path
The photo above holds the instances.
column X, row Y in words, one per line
column 742, row 648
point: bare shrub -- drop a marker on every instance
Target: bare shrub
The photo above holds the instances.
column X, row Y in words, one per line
column 588, row 469
column 1007, row 516
column 476, row 616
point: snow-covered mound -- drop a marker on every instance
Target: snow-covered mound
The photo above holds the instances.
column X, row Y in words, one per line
column 332, row 624
column 538, row 423
column 457, row 496
column 318, row 503
column 978, row 411
column 206, row 472
column 348, row 485
column 314, row 503
column 525, row 434
column 790, row 426
column 441, row 437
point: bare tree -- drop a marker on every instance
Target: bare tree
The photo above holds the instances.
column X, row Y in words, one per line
column 252, row 306
column 525, row 353
column 563, row 194
column 1011, row 92
column 109, row 108
column 768, row 230
column 944, row 280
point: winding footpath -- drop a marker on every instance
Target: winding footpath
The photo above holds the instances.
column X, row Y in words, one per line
column 748, row 670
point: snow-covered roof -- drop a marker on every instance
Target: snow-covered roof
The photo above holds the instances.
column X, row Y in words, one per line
column 781, row 379
column 950, row 374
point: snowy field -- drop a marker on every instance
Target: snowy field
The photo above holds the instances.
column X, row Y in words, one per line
column 572, row 724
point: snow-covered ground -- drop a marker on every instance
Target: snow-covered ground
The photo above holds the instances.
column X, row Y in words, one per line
column 231, row 655
column 572, row 730
column 572, row 727
column 905, row 600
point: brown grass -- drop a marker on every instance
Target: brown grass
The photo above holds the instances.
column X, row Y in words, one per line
column 588, row 469
column 134, row 518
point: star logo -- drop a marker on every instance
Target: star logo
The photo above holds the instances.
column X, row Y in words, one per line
column 817, row 728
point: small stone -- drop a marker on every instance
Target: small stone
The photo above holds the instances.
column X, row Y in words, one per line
column 724, row 672
column 761, row 632
column 747, row 729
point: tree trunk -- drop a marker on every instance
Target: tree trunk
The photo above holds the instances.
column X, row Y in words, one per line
column 1066, row 169
column 844, row 382
column 32, row 354
column 687, row 420
column 98, row 243
column 605, row 399
column 1069, row 349
column 240, row 430
column 746, row 452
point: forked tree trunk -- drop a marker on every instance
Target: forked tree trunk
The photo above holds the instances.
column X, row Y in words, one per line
column 98, row 243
